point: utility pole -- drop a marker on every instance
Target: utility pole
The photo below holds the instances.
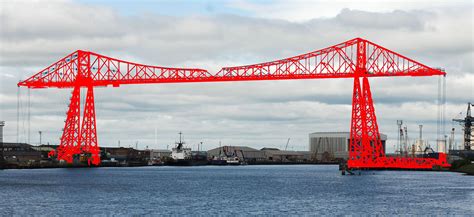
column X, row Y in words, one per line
column 451, row 140
column 405, row 146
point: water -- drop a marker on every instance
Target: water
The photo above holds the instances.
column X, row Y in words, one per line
column 239, row 190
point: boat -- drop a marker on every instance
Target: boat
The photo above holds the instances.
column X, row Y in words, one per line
column 227, row 158
column 233, row 161
column 218, row 161
column 183, row 156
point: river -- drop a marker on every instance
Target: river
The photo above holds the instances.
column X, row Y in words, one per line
column 232, row 190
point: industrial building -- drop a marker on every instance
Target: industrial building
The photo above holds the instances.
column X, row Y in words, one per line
column 327, row 146
column 127, row 156
column 20, row 154
column 255, row 156
column 156, row 154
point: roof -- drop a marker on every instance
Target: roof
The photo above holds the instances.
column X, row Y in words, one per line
column 279, row 152
column 338, row 134
column 265, row 148
column 14, row 145
column 243, row 148
column 160, row 150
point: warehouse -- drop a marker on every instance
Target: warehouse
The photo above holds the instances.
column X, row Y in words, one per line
column 253, row 156
column 327, row 146
column 250, row 155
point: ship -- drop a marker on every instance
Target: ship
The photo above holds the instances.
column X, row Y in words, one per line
column 228, row 158
column 183, row 156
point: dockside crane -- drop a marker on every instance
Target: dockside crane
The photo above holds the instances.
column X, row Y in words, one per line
column 467, row 123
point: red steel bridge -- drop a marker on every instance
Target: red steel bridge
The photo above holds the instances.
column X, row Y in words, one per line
column 357, row 58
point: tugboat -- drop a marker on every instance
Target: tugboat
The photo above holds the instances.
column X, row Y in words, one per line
column 182, row 156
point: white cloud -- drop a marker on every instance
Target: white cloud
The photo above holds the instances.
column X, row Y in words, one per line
column 304, row 10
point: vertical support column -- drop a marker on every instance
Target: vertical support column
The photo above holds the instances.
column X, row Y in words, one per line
column 356, row 147
column 89, row 143
column 355, row 144
column 70, row 140
column 365, row 144
column 88, row 130
column 373, row 140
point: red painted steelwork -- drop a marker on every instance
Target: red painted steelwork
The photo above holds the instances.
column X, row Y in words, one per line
column 356, row 58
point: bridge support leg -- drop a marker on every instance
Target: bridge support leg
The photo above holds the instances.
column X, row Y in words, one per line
column 365, row 146
column 89, row 129
column 70, row 140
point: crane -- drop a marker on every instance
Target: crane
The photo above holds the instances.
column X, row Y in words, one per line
column 357, row 58
column 287, row 142
column 467, row 123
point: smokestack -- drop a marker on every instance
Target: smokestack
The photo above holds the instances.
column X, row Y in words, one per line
column 421, row 132
column 2, row 124
column 2, row 160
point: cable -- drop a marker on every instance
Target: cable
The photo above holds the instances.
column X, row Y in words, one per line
column 444, row 107
column 438, row 118
column 18, row 115
column 28, row 104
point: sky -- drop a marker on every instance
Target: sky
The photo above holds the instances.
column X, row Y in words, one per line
column 214, row 34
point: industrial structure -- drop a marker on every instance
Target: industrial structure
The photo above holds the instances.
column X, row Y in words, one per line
column 263, row 156
column 467, row 123
column 2, row 124
column 357, row 58
column 333, row 145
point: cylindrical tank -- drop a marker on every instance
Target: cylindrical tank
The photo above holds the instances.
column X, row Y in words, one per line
column 441, row 145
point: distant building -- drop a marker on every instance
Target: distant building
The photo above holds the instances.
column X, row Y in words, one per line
column 277, row 155
column 127, row 156
column 264, row 155
column 243, row 152
column 20, row 154
column 332, row 145
column 44, row 150
column 159, row 154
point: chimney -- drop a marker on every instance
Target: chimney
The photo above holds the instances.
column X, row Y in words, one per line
column 2, row 123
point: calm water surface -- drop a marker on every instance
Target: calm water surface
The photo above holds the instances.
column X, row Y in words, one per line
column 239, row 190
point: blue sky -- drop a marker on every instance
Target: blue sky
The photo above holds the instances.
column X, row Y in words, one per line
column 172, row 8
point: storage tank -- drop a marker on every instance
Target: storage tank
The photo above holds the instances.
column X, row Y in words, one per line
column 441, row 145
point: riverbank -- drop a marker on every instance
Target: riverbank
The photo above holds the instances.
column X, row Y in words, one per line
column 467, row 169
column 83, row 165
column 463, row 166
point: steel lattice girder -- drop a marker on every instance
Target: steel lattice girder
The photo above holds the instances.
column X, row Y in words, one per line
column 356, row 58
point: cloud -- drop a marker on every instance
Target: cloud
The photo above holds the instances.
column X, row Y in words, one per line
column 396, row 20
column 34, row 35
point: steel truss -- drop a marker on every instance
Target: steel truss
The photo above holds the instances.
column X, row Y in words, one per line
column 357, row 58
